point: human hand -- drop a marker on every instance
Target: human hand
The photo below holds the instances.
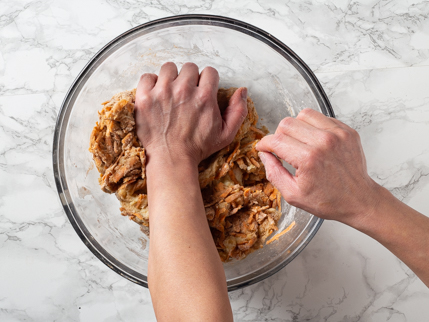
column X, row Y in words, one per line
column 177, row 115
column 331, row 179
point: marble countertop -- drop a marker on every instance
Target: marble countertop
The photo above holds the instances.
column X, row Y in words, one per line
column 372, row 58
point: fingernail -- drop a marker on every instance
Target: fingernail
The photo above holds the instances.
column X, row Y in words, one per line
column 244, row 94
column 262, row 157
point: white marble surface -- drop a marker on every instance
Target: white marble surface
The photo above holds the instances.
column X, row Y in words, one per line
column 372, row 58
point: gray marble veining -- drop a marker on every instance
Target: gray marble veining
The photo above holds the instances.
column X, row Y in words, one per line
column 372, row 58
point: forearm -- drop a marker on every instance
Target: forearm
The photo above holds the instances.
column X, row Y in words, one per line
column 401, row 229
column 189, row 283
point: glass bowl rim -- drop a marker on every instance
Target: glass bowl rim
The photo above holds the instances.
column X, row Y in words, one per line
column 64, row 113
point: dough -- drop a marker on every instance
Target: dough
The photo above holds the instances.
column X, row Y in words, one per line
column 242, row 207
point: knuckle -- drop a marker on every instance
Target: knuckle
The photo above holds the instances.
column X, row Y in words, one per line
column 275, row 177
column 143, row 99
column 347, row 134
column 343, row 134
column 313, row 158
column 286, row 122
column 329, row 140
column 189, row 65
column 182, row 91
column 272, row 176
column 167, row 64
column 143, row 77
column 261, row 145
column 147, row 76
column 211, row 70
column 205, row 96
column 305, row 113
column 355, row 134
column 276, row 141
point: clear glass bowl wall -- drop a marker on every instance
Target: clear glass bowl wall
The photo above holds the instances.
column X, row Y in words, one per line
column 278, row 83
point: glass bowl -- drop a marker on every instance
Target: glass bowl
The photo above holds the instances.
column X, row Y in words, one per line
column 279, row 83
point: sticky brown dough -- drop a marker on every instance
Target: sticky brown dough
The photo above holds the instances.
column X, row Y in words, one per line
column 242, row 207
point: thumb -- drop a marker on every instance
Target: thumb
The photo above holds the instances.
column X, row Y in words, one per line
column 234, row 114
column 278, row 175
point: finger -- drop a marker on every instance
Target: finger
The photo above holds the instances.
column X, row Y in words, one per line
column 285, row 147
column 189, row 74
column 146, row 83
column 234, row 114
column 316, row 119
column 340, row 124
column 209, row 80
column 278, row 175
column 299, row 130
column 167, row 74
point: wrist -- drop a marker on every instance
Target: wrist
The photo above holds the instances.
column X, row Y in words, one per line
column 170, row 182
column 167, row 171
column 379, row 198
column 166, row 159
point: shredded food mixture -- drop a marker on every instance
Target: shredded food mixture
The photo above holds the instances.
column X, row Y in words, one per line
column 242, row 207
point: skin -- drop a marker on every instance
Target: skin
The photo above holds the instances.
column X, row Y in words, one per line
column 179, row 123
column 331, row 181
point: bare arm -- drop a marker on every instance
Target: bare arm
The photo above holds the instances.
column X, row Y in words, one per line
column 186, row 277
column 401, row 229
column 179, row 124
column 331, row 182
